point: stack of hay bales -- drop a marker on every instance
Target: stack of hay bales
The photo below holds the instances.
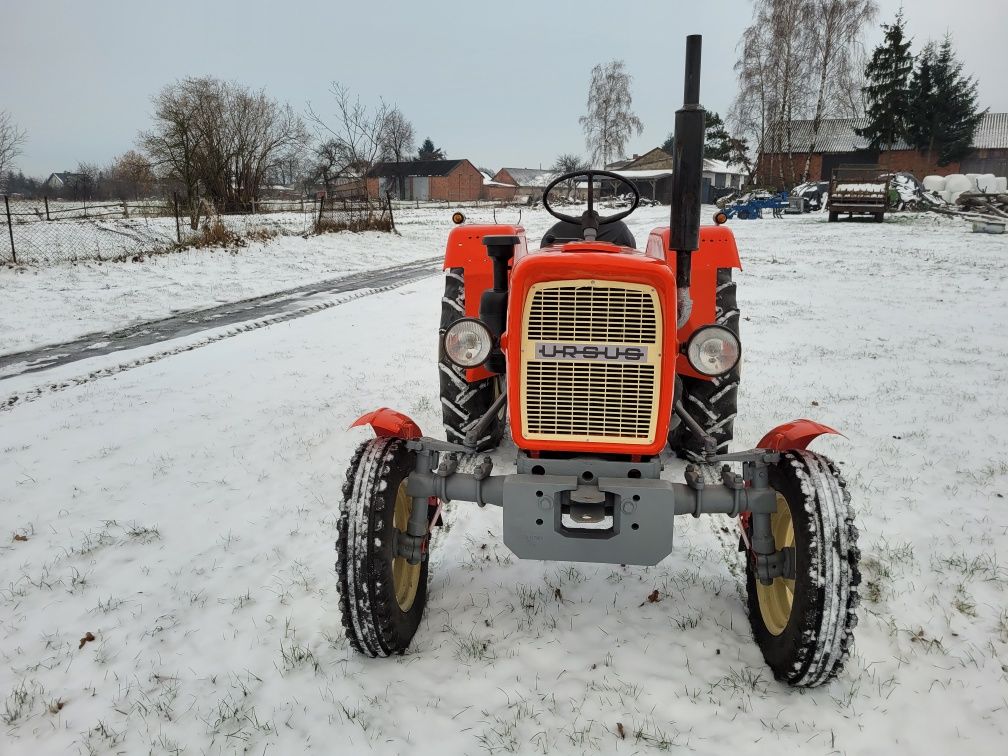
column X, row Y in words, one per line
column 950, row 187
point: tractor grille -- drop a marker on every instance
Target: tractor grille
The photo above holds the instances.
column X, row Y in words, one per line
column 601, row 400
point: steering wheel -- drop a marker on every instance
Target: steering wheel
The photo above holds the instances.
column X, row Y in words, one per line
column 589, row 218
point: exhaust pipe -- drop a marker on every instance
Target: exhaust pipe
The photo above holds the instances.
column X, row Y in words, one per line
column 687, row 178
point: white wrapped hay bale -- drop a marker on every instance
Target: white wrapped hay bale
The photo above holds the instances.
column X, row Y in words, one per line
column 934, row 183
column 1001, row 184
column 957, row 182
column 987, row 182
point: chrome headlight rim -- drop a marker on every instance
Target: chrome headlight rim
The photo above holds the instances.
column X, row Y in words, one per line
column 705, row 333
column 451, row 349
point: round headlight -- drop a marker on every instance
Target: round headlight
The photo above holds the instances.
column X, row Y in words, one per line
column 467, row 342
column 713, row 350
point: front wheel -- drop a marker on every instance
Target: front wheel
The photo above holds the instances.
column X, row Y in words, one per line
column 805, row 626
column 382, row 596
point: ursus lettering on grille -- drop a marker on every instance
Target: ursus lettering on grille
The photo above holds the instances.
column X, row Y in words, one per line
column 609, row 352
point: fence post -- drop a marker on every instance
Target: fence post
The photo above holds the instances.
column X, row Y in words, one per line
column 388, row 200
column 10, row 229
column 178, row 228
column 85, row 208
column 321, row 205
column 47, row 208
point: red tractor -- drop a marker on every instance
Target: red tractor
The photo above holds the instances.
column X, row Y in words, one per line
column 597, row 356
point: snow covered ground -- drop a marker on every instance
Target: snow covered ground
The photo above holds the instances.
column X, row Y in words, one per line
column 183, row 513
column 49, row 304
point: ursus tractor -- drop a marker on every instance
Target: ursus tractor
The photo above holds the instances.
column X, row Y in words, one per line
column 596, row 356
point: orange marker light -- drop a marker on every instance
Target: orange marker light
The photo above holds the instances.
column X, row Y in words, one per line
column 720, row 218
column 458, row 218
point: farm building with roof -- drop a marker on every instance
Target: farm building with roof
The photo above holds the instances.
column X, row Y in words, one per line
column 445, row 180
column 529, row 182
column 838, row 143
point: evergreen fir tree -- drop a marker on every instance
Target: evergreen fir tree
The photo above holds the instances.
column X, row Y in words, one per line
column 717, row 140
column 428, row 151
column 943, row 105
column 887, row 73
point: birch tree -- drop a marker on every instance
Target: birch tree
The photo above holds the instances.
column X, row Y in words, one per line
column 609, row 122
column 835, row 27
column 11, row 140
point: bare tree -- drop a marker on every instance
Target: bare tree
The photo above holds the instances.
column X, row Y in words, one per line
column 568, row 162
column 11, row 140
column 834, row 27
column 220, row 138
column 609, row 121
column 798, row 59
column 398, row 139
column 354, row 140
column 130, row 175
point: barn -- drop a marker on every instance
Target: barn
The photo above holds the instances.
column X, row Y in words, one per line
column 838, row 143
column 445, row 180
column 530, row 182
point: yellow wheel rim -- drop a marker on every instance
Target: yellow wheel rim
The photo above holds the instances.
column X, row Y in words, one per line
column 405, row 576
column 776, row 599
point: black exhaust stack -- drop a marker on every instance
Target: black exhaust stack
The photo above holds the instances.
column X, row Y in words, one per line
column 687, row 178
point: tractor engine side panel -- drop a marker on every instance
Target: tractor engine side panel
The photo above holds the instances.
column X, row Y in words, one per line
column 717, row 250
column 465, row 250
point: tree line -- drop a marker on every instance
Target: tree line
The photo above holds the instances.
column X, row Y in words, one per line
column 925, row 100
column 804, row 60
column 220, row 141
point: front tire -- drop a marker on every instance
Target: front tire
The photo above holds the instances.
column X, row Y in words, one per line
column 464, row 403
column 712, row 403
column 805, row 626
column 382, row 596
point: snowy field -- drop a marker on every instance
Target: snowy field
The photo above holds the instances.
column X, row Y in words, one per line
column 182, row 514
column 49, row 304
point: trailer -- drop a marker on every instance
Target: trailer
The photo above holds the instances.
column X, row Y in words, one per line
column 858, row 190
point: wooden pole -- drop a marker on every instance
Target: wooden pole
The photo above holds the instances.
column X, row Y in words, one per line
column 178, row 228
column 47, row 208
column 10, row 229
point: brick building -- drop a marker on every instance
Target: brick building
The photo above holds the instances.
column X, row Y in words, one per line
column 445, row 180
column 529, row 182
column 839, row 144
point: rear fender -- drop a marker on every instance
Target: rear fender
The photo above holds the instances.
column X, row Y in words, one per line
column 387, row 423
column 465, row 250
column 797, row 434
column 717, row 250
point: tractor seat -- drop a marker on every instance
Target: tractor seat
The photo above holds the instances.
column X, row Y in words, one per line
column 614, row 233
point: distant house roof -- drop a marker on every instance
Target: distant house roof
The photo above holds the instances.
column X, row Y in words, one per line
column 840, row 135
column 991, row 132
column 710, row 165
column 414, row 168
column 537, row 177
column 65, row 177
column 488, row 180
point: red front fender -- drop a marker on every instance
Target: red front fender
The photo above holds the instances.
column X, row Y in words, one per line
column 797, row 434
column 388, row 423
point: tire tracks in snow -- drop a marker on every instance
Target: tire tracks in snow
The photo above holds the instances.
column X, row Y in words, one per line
column 243, row 316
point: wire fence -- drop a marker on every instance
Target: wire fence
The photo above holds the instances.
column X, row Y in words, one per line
column 43, row 231
column 354, row 214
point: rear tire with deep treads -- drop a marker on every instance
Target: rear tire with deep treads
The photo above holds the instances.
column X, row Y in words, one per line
column 712, row 403
column 463, row 403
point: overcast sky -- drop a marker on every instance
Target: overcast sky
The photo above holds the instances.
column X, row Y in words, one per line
column 500, row 83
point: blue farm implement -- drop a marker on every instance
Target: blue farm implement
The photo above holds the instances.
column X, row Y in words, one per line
column 753, row 208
